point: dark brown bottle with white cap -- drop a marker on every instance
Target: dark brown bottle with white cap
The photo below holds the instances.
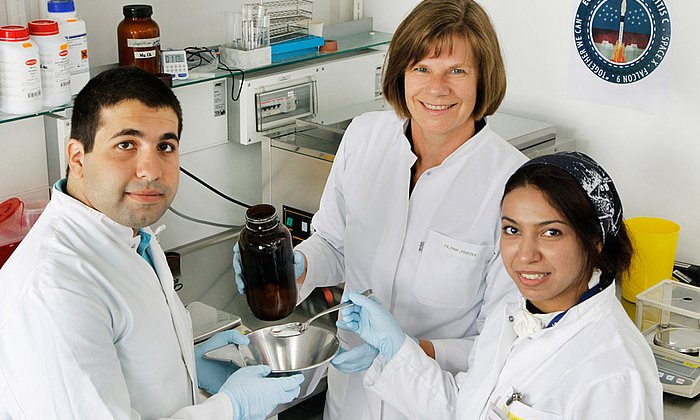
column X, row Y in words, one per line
column 138, row 38
column 267, row 257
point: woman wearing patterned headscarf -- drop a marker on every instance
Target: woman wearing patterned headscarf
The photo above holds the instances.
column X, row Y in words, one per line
column 567, row 349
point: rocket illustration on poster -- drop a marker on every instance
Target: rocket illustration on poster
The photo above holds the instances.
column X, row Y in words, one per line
column 622, row 41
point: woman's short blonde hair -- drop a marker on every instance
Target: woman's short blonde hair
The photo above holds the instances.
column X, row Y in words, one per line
column 428, row 29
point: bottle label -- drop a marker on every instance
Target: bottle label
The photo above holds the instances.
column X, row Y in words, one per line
column 78, row 54
column 141, row 55
column 21, row 81
column 143, row 42
column 55, row 74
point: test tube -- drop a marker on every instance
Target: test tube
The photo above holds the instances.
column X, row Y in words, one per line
column 232, row 29
column 247, row 26
column 266, row 31
column 237, row 42
column 259, row 26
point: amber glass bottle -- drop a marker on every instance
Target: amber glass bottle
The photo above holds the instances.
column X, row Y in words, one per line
column 138, row 38
column 268, row 264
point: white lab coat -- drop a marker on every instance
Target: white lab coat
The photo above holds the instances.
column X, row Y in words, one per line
column 593, row 364
column 432, row 259
column 89, row 331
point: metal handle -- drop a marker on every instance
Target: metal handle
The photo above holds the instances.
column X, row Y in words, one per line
column 366, row 293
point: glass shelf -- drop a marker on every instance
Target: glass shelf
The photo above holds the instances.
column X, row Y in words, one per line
column 346, row 44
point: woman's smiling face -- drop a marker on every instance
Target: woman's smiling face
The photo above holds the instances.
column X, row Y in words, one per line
column 440, row 93
column 541, row 251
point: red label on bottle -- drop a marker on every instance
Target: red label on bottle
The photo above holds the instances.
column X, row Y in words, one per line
column 63, row 53
column 30, row 62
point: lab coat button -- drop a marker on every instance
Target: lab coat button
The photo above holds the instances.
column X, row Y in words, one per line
column 511, row 319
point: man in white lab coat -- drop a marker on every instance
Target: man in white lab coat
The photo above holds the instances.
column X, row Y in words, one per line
column 90, row 326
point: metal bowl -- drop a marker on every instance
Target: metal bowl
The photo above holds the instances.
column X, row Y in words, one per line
column 308, row 354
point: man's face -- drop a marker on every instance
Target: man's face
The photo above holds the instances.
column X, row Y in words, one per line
column 132, row 173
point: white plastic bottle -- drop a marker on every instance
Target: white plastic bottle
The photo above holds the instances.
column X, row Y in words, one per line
column 53, row 56
column 20, row 78
column 76, row 34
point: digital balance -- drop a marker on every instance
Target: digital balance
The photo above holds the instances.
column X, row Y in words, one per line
column 668, row 315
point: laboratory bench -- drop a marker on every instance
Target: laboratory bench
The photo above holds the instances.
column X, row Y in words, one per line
column 681, row 408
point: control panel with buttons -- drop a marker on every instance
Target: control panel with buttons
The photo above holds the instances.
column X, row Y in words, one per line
column 298, row 222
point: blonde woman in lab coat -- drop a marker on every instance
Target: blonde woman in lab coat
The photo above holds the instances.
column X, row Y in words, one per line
column 566, row 349
column 410, row 208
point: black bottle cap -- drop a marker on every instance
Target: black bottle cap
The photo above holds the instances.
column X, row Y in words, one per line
column 137, row 10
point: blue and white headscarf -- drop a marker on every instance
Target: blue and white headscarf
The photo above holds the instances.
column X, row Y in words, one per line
column 595, row 182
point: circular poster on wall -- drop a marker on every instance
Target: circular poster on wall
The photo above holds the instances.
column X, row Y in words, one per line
column 622, row 41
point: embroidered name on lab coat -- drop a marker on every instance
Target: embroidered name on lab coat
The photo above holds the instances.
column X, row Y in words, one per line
column 460, row 251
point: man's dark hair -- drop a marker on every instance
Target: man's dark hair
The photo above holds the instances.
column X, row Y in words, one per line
column 111, row 87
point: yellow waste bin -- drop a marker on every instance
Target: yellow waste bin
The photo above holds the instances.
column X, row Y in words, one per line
column 654, row 242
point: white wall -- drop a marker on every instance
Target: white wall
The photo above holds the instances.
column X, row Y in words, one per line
column 387, row 14
column 654, row 158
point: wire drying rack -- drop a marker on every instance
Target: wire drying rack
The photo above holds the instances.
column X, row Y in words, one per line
column 289, row 19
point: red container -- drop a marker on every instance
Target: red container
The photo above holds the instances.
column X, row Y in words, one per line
column 11, row 230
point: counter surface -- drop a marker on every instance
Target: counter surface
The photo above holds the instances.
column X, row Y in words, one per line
column 680, row 408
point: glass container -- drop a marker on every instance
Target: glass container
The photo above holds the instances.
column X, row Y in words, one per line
column 267, row 257
column 138, row 38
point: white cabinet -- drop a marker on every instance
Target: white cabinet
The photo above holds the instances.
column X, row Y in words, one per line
column 23, row 168
column 204, row 114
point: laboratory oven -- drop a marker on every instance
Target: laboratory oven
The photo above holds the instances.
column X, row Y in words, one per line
column 297, row 158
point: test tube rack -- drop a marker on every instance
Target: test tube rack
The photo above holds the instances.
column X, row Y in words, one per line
column 289, row 19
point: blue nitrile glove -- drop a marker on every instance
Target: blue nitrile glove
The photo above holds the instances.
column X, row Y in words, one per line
column 357, row 359
column 238, row 269
column 299, row 264
column 210, row 373
column 373, row 323
column 254, row 396
column 299, row 267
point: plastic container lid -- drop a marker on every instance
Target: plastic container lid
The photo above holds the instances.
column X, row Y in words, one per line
column 10, row 222
column 43, row 27
column 137, row 10
column 32, row 210
column 8, row 210
column 14, row 33
column 60, row 6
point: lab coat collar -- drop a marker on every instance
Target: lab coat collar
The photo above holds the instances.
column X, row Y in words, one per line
column 469, row 146
column 77, row 211
column 527, row 324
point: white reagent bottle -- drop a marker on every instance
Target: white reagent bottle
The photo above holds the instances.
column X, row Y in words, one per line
column 53, row 56
column 20, row 78
column 76, row 35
